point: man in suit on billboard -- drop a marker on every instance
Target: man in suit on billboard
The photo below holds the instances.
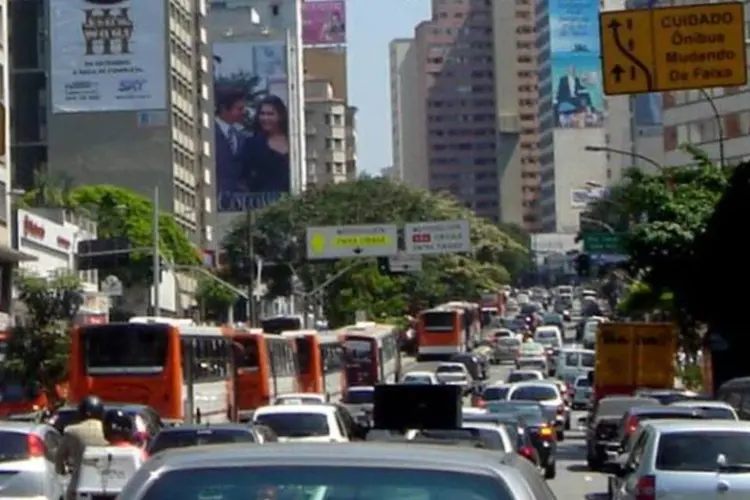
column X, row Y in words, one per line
column 230, row 140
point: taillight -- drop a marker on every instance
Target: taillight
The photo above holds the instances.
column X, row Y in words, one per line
column 35, row 445
column 526, row 451
column 631, row 425
column 545, row 432
column 645, row 488
column 561, row 409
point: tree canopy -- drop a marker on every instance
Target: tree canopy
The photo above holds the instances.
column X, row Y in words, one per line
column 279, row 239
column 38, row 348
column 120, row 212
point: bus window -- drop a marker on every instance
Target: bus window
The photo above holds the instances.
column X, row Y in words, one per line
column 358, row 351
column 133, row 349
column 248, row 358
column 304, row 355
column 438, row 321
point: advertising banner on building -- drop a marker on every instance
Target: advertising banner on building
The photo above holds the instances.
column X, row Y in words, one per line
column 107, row 55
column 581, row 198
column 576, row 69
column 251, row 124
column 324, row 22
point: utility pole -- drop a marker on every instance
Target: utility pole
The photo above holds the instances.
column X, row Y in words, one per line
column 251, row 306
column 157, row 260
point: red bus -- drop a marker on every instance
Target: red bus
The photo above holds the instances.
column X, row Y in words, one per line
column 372, row 354
column 321, row 362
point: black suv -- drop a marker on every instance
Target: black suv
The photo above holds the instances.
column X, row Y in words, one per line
column 604, row 424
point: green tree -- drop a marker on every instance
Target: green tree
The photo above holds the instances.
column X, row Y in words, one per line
column 39, row 348
column 279, row 236
column 51, row 190
column 214, row 299
column 121, row 212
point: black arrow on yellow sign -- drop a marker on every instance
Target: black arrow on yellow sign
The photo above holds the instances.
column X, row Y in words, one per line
column 615, row 26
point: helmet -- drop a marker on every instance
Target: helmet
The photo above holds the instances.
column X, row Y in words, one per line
column 118, row 425
column 91, row 407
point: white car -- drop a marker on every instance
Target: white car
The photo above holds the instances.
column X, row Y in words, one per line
column 420, row 378
column 312, row 423
column 581, row 393
column 473, row 410
column 300, row 398
column 523, row 376
column 454, row 374
column 493, row 433
column 716, row 410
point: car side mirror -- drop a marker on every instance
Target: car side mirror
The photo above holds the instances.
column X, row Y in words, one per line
column 614, row 468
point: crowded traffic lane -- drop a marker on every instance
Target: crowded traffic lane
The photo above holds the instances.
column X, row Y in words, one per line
column 573, row 480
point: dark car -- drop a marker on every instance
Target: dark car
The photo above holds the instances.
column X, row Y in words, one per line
column 515, row 426
column 477, row 366
column 669, row 396
column 634, row 416
column 604, row 423
column 147, row 421
column 201, row 435
column 541, row 431
column 358, row 401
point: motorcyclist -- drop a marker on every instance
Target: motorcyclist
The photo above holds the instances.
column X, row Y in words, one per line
column 119, row 428
column 89, row 431
column 566, row 316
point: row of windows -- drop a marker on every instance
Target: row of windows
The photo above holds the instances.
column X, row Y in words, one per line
column 463, row 132
column 475, row 118
column 464, row 146
column 437, row 104
column 209, row 358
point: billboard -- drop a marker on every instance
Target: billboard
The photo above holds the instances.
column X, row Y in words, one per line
column 107, row 55
column 578, row 97
column 251, row 124
column 324, row 22
column 581, row 198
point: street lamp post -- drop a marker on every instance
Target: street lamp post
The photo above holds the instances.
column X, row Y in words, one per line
column 719, row 123
column 599, row 223
column 596, row 149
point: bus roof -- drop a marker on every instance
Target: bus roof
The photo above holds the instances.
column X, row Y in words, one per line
column 162, row 320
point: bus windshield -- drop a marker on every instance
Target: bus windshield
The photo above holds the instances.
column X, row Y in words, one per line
column 438, row 321
column 358, row 351
column 125, row 348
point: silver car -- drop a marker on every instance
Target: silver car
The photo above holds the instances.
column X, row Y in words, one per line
column 547, row 394
column 582, row 393
column 27, row 460
column 506, row 348
column 355, row 470
column 684, row 459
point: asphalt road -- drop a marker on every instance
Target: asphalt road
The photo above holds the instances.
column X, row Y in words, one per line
column 574, row 481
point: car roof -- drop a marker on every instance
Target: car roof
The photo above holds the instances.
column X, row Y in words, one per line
column 360, row 388
column 471, row 410
column 662, row 410
column 450, row 363
column 668, row 425
column 23, row 427
column 322, row 408
column 206, row 427
column 534, row 383
column 643, row 399
column 524, row 370
column 498, row 383
column 420, row 373
column 301, row 395
column 111, row 406
column 698, row 403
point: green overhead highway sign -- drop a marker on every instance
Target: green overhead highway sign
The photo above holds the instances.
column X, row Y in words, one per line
column 603, row 243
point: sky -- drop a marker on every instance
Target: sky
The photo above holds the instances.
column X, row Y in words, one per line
column 371, row 25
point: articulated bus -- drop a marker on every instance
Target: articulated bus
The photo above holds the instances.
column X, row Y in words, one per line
column 448, row 329
column 372, row 354
column 16, row 396
column 183, row 371
column 267, row 367
column 321, row 362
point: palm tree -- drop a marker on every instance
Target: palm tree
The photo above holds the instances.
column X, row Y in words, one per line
column 51, row 190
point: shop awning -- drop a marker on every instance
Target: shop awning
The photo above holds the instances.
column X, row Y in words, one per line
column 11, row 255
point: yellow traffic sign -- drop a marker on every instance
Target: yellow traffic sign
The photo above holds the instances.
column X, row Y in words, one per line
column 336, row 242
column 673, row 48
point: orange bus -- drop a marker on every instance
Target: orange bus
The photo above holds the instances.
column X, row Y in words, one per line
column 17, row 397
column 372, row 354
column 182, row 370
column 321, row 362
column 267, row 367
column 471, row 321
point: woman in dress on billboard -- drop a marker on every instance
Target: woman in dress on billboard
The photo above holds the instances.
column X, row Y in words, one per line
column 267, row 167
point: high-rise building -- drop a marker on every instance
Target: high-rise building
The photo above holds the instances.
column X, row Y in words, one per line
column 408, row 134
column 517, row 98
column 456, row 74
column 572, row 110
column 329, row 120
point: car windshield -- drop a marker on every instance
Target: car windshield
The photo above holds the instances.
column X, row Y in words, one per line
column 295, row 425
column 257, row 481
column 489, row 438
column 358, row 397
column 509, row 342
column 495, row 393
column 583, row 382
column 530, row 413
column 587, row 359
column 522, row 376
column 176, row 438
column 417, row 379
column 450, row 369
column 698, row 450
column 13, row 446
column 534, row 393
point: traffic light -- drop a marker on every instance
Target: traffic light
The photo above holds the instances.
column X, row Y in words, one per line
column 583, row 265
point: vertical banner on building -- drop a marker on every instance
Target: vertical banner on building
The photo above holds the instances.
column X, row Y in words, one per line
column 576, row 69
column 251, row 124
column 107, row 55
column 324, row 22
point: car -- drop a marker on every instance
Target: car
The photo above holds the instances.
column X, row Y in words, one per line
column 536, row 422
column 201, row 435
column 300, row 398
column 588, row 331
column 547, row 394
column 636, row 415
column 147, row 421
column 488, row 434
column 455, row 374
column 574, row 362
column 358, row 470
column 718, row 410
column 582, row 391
column 358, row 400
column 516, row 428
column 494, row 392
column 533, row 355
column 666, row 396
column 27, row 460
column 506, row 348
column 471, row 411
column 321, row 423
column 420, row 378
column 523, row 375
column 603, row 424
column 684, row 459
column 476, row 365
